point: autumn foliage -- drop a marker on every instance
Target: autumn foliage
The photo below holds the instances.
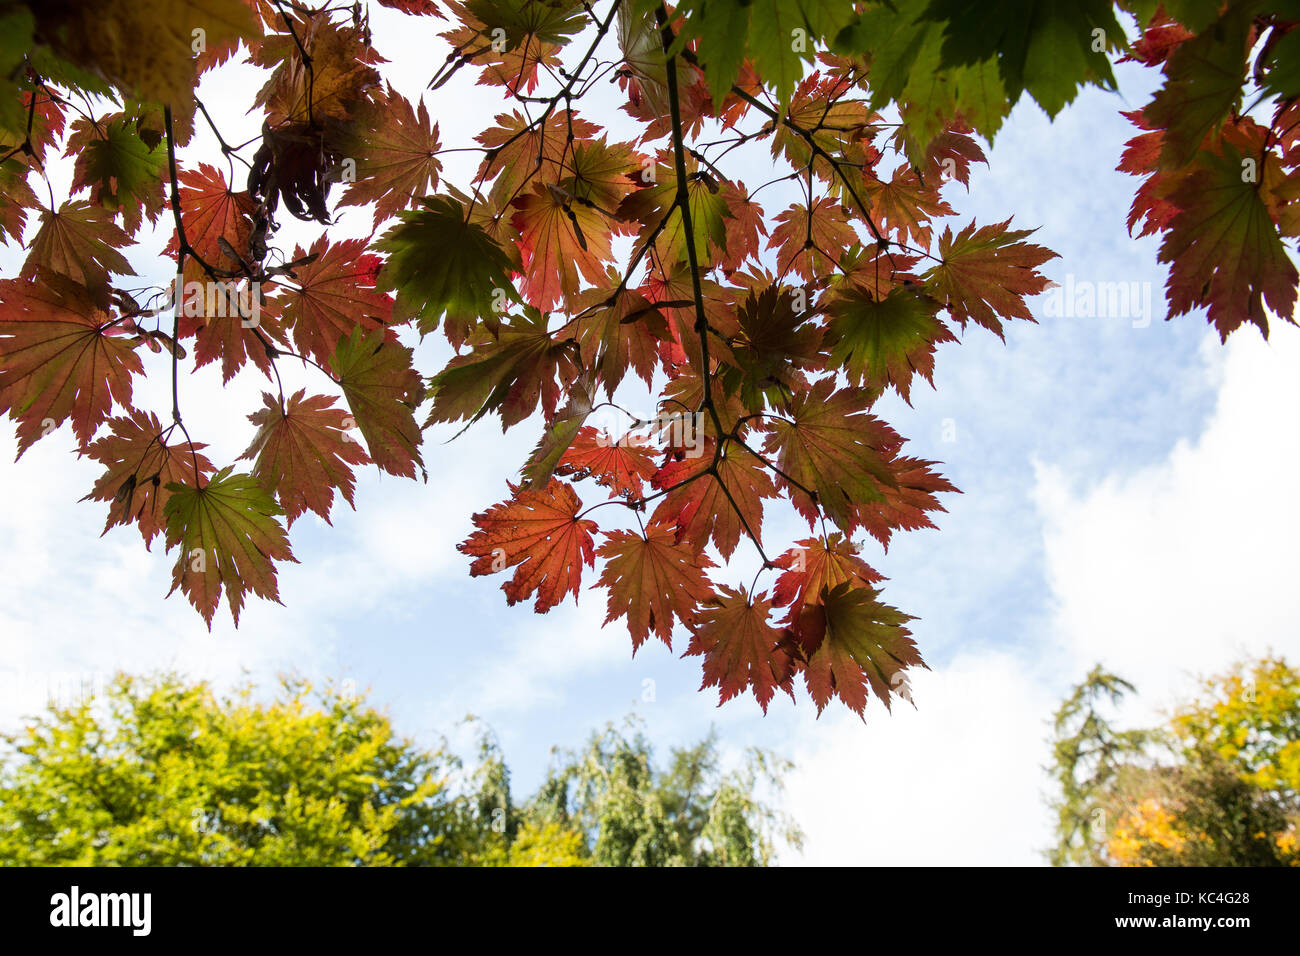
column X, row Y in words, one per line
column 586, row 276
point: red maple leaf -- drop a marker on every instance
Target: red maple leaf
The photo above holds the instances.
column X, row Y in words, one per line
column 741, row 650
column 140, row 467
column 651, row 580
column 60, row 359
column 303, row 451
column 621, row 466
column 540, row 532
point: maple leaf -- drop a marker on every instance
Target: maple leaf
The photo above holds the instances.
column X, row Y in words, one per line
column 140, row 467
column 773, row 38
column 987, row 273
column 423, row 8
column 1142, row 158
column 809, row 243
column 949, row 156
column 883, row 342
column 143, row 47
column 741, row 650
column 1203, row 83
column 907, row 67
column 506, row 61
column 561, row 430
column 396, row 153
column 332, row 295
column 228, row 535
column 644, row 75
column 905, row 205
column 440, row 262
column 520, row 150
column 815, row 565
column 382, row 390
column 700, row 505
column 303, row 452
column 16, row 197
column 830, row 122
column 772, row 344
column 227, row 319
column 905, row 505
column 1223, row 247
column 673, row 294
column 622, row 466
column 744, row 227
column 552, row 22
column 830, row 447
column 214, row 216
column 539, row 531
column 1047, row 50
column 124, row 173
column 561, row 239
column 335, row 85
column 601, row 174
column 863, row 646
column 618, row 329
column 510, row 371
column 60, row 359
column 685, row 390
column 655, row 208
column 652, row 580
column 79, row 241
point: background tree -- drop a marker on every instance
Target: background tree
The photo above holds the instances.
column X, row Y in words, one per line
column 725, row 362
column 161, row 773
column 689, row 813
column 1090, row 757
column 1214, row 786
column 164, row 772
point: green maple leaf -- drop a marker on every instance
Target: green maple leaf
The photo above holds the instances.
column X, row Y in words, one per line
column 16, row 26
column 229, row 533
column 864, row 645
column 124, row 174
column 1203, row 85
column 709, row 213
column 382, row 390
column 560, row 434
column 439, row 262
column 907, row 67
column 550, row 21
column 831, row 447
column 509, row 371
column 779, row 36
column 1048, row 48
column 883, row 342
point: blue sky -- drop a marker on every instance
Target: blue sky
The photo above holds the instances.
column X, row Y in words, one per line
column 1121, row 503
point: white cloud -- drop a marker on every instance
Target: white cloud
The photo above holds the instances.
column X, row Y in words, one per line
column 1182, row 567
column 953, row 782
column 1162, row 574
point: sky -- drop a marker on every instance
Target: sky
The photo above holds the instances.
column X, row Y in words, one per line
column 1121, row 505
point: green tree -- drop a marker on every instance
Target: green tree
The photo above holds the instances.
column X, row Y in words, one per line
column 1090, row 756
column 691, row 813
column 1215, row 785
column 164, row 772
